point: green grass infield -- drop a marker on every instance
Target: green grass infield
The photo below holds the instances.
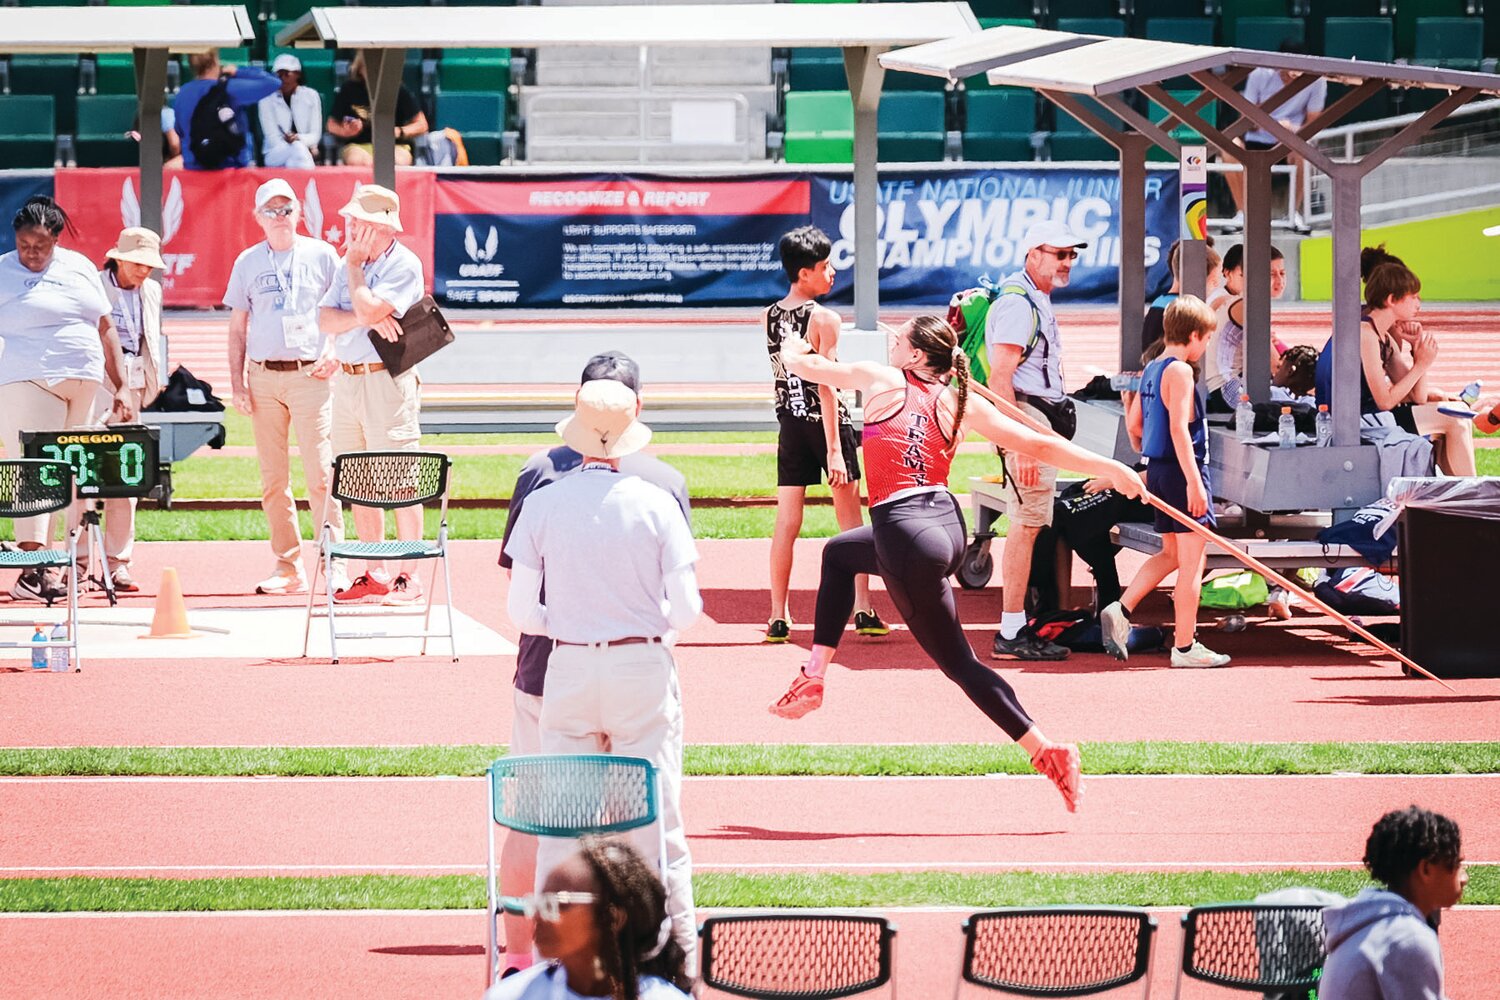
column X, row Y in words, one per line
column 832, row 760
column 712, row 890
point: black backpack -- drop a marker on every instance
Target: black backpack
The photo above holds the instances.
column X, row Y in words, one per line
column 214, row 131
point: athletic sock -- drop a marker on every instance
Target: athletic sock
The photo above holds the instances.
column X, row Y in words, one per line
column 1184, row 649
column 1126, row 611
column 1011, row 623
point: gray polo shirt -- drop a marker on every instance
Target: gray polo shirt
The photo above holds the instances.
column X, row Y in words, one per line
column 1012, row 319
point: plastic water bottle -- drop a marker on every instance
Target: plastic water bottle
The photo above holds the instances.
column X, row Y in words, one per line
column 62, row 656
column 1244, row 419
column 1286, row 428
column 1325, row 426
column 39, row 653
column 1470, row 393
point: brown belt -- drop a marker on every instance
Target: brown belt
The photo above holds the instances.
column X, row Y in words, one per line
column 285, row 366
column 372, row 366
column 634, row 640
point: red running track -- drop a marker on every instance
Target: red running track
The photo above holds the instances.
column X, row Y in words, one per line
column 1293, row 681
column 318, row 826
column 418, row 956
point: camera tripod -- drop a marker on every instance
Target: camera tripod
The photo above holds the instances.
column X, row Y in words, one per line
column 94, row 555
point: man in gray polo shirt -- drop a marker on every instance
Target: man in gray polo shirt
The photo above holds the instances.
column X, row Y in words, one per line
column 1026, row 368
column 518, row 856
column 618, row 560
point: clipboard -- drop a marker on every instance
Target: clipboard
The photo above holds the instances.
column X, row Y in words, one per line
column 424, row 332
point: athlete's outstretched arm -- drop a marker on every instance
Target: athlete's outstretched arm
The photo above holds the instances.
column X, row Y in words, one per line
column 864, row 376
column 982, row 417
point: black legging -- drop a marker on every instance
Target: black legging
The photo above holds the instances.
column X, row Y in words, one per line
column 915, row 544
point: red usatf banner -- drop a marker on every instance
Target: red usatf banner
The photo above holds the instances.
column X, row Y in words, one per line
column 207, row 218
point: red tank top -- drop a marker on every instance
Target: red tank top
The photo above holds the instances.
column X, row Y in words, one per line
column 907, row 449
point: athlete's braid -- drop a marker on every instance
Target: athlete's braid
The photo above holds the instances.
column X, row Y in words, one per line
column 938, row 340
column 630, row 887
column 961, row 376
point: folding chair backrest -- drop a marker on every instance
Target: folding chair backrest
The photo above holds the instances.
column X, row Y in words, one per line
column 389, row 479
column 1260, row 947
column 573, row 795
column 31, row 486
column 810, row 956
column 1057, row 951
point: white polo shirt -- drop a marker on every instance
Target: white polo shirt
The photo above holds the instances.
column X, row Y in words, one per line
column 51, row 319
column 395, row 277
column 273, row 286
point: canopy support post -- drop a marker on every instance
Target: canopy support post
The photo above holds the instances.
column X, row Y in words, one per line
column 150, row 86
column 383, row 78
column 866, row 76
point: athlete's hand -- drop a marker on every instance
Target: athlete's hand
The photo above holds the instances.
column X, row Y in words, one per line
column 838, row 472
column 1197, row 497
column 1022, row 469
column 1123, row 480
column 795, row 347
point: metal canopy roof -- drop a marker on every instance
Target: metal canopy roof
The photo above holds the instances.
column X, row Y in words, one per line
column 1095, row 65
column 881, row 25
column 122, row 29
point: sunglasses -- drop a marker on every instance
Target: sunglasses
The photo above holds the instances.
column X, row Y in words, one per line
column 545, row 905
column 1069, row 254
column 278, row 213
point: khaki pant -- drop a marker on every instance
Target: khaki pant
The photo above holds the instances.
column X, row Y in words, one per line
column 376, row 412
column 283, row 401
column 119, row 513
column 1032, row 505
column 625, row 700
column 37, row 406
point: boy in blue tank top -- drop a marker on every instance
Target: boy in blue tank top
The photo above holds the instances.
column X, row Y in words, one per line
column 1174, row 438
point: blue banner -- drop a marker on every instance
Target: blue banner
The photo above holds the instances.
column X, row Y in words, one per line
column 15, row 188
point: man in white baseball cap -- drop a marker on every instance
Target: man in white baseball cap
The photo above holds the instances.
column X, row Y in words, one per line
column 1026, row 368
column 274, row 347
column 291, row 120
column 618, row 558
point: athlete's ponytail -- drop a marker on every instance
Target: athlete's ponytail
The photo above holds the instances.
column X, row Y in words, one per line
column 938, row 340
column 961, row 379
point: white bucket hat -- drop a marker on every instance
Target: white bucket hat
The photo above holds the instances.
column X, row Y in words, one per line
column 376, row 204
column 603, row 424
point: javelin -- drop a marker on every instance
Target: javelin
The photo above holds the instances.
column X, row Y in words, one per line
column 1016, row 413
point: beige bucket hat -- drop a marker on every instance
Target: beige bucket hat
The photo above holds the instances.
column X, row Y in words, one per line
column 137, row 245
column 603, row 424
column 376, row 204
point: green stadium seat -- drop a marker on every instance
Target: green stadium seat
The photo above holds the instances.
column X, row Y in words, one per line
column 819, row 127
column 1321, row 10
column 987, row 23
column 474, row 69
column 138, row 3
column 473, row 3
column 54, row 75
column 1070, row 140
column 1003, row 8
column 825, row 1
column 999, row 123
column 1233, row 10
column 1175, row 8
column 1449, row 42
column 290, row 10
column 317, row 64
column 479, row 117
column 1187, row 30
column 1184, row 134
column 1267, row 34
column 1409, row 13
column 114, row 73
column 28, row 124
column 911, row 127
column 103, row 120
column 1110, row 27
column 1370, row 38
column 817, row 69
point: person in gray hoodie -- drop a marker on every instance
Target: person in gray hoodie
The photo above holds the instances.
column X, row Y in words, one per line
column 1382, row 944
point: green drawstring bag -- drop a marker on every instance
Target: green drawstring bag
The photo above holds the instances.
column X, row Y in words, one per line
column 1234, row 591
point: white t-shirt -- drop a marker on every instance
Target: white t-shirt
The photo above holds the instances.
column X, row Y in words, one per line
column 50, row 319
column 605, row 543
column 1011, row 320
column 304, row 116
column 127, row 313
column 1265, row 84
column 395, row 277
column 272, row 286
column 550, row 982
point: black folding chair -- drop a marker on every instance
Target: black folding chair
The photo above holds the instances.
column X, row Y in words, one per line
column 1256, row 947
column 799, row 956
column 33, row 487
column 388, row 480
column 1058, row 951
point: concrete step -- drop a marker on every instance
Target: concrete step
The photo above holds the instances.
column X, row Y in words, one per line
column 581, row 65
column 566, row 100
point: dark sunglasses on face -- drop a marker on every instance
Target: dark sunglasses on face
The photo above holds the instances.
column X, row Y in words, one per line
column 278, row 213
column 1068, row 254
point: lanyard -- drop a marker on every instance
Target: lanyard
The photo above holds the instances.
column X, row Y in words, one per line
column 286, row 284
column 597, row 467
column 134, row 324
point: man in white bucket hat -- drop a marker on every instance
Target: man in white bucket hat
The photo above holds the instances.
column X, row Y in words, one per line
column 618, row 558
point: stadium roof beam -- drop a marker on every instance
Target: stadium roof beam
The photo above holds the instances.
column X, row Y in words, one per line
column 863, row 31
column 1066, row 67
column 150, row 34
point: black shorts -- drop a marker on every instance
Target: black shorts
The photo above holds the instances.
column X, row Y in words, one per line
column 1164, row 479
column 802, row 453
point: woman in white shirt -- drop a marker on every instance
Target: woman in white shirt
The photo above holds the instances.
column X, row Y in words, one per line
column 56, row 356
column 601, row 925
column 291, row 120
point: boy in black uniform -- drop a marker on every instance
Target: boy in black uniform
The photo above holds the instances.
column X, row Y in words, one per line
column 808, row 445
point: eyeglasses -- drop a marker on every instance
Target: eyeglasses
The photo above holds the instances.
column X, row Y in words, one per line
column 545, row 905
column 278, row 213
column 1069, row 254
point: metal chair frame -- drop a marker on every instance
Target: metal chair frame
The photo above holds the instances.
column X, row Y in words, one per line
column 710, row 951
column 1192, row 929
column 32, row 474
column 535, row 771
column 1140, row 972
column 328, row 550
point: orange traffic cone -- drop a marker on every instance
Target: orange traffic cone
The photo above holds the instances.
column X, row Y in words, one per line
column 170, row 620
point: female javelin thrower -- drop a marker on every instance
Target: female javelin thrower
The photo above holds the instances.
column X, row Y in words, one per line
column 916, row 412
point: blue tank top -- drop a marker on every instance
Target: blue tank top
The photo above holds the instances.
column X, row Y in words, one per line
column 1323, row 373
column 1156, row 436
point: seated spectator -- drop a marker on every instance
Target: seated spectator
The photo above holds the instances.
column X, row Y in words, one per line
column 219, row 148
column 1294, row 376
column 1372, row 257
column 602, row 929
column 1151, row 331
column 1383, row 942
column 1224, row 360
column 349, row 120
column 290, row 119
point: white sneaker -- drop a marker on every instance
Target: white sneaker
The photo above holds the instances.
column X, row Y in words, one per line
column 281, row 583
column 1299, row 224
column 1198, row 655
column 1115, row 628
column 1279, row 603
column 1235, row 224
column 338, row 580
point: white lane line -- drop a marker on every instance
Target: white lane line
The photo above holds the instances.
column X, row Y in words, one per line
column 479, row 779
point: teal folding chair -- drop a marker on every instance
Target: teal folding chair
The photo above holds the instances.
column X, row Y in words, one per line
column 387, row 480
column 33, row 487
column 798, row 955
column 1057, row 951
column 1267, row 948
column 564, row 795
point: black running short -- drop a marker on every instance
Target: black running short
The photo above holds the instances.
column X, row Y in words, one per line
column 802, row 452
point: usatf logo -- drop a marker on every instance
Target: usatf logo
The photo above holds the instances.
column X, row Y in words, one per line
column 174, row 206
column 483, row 258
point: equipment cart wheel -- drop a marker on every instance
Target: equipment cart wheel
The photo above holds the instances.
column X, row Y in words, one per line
column 977, row 567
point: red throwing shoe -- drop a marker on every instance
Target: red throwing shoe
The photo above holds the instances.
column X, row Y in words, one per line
column 805, row 694
column 1060, row 763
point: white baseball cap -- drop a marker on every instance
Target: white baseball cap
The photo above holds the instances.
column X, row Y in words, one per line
column 286, row 61
column 273, row 188
column 1050, row 234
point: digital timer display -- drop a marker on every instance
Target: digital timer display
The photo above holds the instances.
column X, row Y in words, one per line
column 108, row 462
